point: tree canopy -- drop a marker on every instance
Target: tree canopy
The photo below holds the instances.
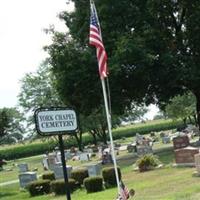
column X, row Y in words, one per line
column 37, row 90
column 11, row 127
column 153, row 48
column 181, row 106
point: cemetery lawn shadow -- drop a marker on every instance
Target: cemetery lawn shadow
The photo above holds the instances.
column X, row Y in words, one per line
column 3, row 195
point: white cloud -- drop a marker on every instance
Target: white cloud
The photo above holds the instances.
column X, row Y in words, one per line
column 22, row 39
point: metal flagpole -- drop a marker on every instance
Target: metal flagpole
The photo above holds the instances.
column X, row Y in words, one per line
column 107, row 109
column 110, row 133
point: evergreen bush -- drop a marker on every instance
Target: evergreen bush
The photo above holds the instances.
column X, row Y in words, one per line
column 79, row 175
column 58, row 186
column 48, row 176
column 147, row 162
column 93, row 184
column 109, row 177
column 39, row 187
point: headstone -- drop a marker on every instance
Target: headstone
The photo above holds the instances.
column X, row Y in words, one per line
column 197, row 162
column 84, row 157
column 26, row 178
column 89, row 150
column 144, row 149
column 23, row 167
column 51, row 161
column 180, row 142
column 68, row 155
column 139, row 139
column 123, row 147
column 94, row 169
column 58, row 171
column 186, row 155
column 58, row 157
column 131, row 148
column 45, row 163
column 106, row 158
column 166, row 140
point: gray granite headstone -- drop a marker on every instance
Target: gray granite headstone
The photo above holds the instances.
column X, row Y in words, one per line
column 84, row 157
column 68, row 155
column 58, row 171
column 26, row 178
column 166, row 139
column 51, row 161
column 23, row 167
column 94, row 169
column 142, row 150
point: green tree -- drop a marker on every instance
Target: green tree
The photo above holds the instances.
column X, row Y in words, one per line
column 37, row 91
column 182, row 107
column 96, row 125
column 153, row 47
column 11, row 126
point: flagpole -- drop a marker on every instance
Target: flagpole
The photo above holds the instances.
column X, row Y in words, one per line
column 110, row 133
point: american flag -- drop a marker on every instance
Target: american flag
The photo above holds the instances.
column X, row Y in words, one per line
column 124, row 192
column 95, row 39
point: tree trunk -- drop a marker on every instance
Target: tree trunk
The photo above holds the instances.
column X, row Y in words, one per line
column 190, row 120
column 104, row 136
column 185, row 122
column 195, row 120
column 93, row 133
column 79, row 140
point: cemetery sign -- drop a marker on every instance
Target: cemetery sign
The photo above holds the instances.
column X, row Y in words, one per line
column 55, row 121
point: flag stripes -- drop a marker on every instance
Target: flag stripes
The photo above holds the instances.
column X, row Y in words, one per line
column 95, row 39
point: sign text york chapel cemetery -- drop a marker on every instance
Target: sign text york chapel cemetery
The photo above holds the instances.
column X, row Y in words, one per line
column 52, row 121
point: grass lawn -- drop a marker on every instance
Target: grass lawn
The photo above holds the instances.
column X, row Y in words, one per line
column 167, row 183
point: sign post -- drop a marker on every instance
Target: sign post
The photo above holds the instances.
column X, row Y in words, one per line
column 64, row 167
column 57, row 121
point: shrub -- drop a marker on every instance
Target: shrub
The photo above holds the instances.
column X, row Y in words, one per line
column 39, row 187
column 147, row 162
column 58, row 186
column 79, row 175
column 49, row 176
column 109, row 176
column 93, row 184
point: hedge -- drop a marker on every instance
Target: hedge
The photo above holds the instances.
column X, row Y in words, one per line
column 32, row 149
column 39, row 187
column 93, row 184
column 59, row 188
column 79, row 175
column 109, row 177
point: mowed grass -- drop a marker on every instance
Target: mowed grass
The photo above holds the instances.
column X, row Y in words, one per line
column 167, row 183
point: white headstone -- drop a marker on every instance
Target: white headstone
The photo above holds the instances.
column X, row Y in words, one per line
column 26, row 178
column 45, row 163
column 58, row 157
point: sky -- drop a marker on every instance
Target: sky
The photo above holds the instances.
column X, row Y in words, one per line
column 22, row 39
